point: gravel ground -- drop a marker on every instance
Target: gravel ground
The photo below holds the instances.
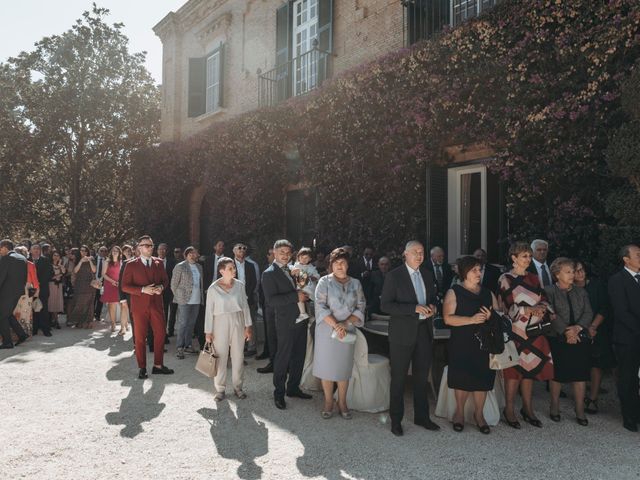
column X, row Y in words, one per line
column 76, row 410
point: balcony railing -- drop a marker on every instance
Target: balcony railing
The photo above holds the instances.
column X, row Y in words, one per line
column 298, row 76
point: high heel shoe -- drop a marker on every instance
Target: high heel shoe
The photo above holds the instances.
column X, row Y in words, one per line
column 530, row 420
column 590, row 406
column 113, row 327
column 554, row 416
column 515, row 424
column 484, row 428
column 458, row 427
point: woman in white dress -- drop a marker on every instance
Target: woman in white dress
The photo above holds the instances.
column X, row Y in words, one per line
column 227, row 325
column 339, row 307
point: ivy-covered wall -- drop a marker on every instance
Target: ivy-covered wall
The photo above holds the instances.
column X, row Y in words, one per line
column 538, row 82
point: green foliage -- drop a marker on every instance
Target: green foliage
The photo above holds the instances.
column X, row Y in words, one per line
column 83, row 103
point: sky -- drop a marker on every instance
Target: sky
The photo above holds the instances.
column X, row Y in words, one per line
column 24, row 22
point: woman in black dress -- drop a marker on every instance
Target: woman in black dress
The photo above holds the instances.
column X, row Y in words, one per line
column 602, row 355
column 570, row 341
column 466, row 306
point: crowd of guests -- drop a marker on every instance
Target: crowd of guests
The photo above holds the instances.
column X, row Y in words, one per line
column 567, row 325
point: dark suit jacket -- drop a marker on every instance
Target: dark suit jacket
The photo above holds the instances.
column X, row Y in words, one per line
column 447, row 275
column 171, row 263
column 624, row 293
column 281, row 295
column 399, row 300
column 490, row 278
column 136, row 275
column 209, row 270
column 532, row 268
column 13, row 278
column 377, row 282
column 45, row 275
column 250, row 281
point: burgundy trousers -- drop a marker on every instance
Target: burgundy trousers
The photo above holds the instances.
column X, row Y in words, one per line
column 143, row 320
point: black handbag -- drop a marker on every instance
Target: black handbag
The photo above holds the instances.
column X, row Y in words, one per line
column 490, row 334
column 543, row 327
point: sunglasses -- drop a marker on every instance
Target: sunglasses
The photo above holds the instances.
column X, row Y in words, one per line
column 241, row 248
column 150, row 245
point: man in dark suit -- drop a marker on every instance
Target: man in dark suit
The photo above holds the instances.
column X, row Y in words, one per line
column 211, row 263
column 246, row 273
column 624, row 293
column 144, row 279
column 540, row 263
column 440, row 270
column 13, row 278
column 269, row 322
column 167, row 294
column 44, row 270
column 363, row 267
column 377, row 282
column 281, row 294
column 408, row 296
column 490, row 273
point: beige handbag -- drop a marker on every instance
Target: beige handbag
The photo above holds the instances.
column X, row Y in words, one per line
column 509, row 358
column 207, row 363
column 24, row 307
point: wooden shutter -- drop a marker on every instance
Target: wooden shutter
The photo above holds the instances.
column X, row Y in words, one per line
column 325, row 22
column 283, row 51
column 197, row 86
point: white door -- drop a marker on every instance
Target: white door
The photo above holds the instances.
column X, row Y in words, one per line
column 305, row 30
column 467, row 210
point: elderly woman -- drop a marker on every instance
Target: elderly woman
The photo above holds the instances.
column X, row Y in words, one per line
column 466, row 306
column 339, row 308
column 82, row 305
column 186, row 285
column 227, row 323
column 570, row 340
column 602, row 355
column 525, row 303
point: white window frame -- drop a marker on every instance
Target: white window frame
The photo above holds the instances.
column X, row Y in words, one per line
column 309, row 70
column 454, row 208
column 478, row 10
column 212, row 92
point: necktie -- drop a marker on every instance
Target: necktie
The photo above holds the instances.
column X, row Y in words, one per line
column 417, row 285
column 637, row 277
column 147, row 262
column 546, row 281
column 439, row 274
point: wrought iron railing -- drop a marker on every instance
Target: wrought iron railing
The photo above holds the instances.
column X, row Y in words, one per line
column 298, row 76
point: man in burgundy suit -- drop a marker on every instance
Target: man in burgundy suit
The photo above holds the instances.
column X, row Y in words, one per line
column 144, row 279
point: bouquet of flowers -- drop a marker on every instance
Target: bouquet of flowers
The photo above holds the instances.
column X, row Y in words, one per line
column 300, row 277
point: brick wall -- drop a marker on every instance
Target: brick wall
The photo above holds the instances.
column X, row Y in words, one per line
column 362, row 31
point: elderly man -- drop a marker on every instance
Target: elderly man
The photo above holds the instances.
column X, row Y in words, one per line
column 440, row 269
column 409, row 296
column 539, row 266
column 624, row 293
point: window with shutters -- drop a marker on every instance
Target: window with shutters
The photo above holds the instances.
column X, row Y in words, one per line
column 206, row 75
column 305, row 31
column 463, row 10
column 213, row 83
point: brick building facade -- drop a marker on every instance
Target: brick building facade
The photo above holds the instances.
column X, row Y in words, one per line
column 222, row 58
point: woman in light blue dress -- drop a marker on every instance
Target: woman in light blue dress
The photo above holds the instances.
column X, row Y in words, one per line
column 339, row 307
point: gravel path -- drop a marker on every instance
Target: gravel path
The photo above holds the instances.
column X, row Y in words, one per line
column 77, row 411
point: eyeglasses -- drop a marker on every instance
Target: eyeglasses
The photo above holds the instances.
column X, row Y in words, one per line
column 150, row 245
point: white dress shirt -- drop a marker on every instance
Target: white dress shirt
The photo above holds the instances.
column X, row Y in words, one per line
column 241, row 273
column 538, row 266
column 420, row 285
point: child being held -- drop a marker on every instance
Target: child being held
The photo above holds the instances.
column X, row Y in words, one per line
column 306, row 277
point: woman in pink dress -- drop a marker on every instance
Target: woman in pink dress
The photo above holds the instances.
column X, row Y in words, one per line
column 110, row 295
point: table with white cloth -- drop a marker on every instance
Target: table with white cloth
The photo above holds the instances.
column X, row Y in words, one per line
column 446, row 406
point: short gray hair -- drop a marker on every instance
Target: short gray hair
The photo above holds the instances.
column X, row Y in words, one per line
column 435, row 249
column 537, row 241
column 412, row 243
column 559, row 263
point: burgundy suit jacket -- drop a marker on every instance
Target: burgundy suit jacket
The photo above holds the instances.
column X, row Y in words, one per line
column 136, row 275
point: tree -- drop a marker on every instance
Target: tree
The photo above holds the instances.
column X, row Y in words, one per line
column 84, row 104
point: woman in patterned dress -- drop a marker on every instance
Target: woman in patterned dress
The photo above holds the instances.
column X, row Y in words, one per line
column 524, row 300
